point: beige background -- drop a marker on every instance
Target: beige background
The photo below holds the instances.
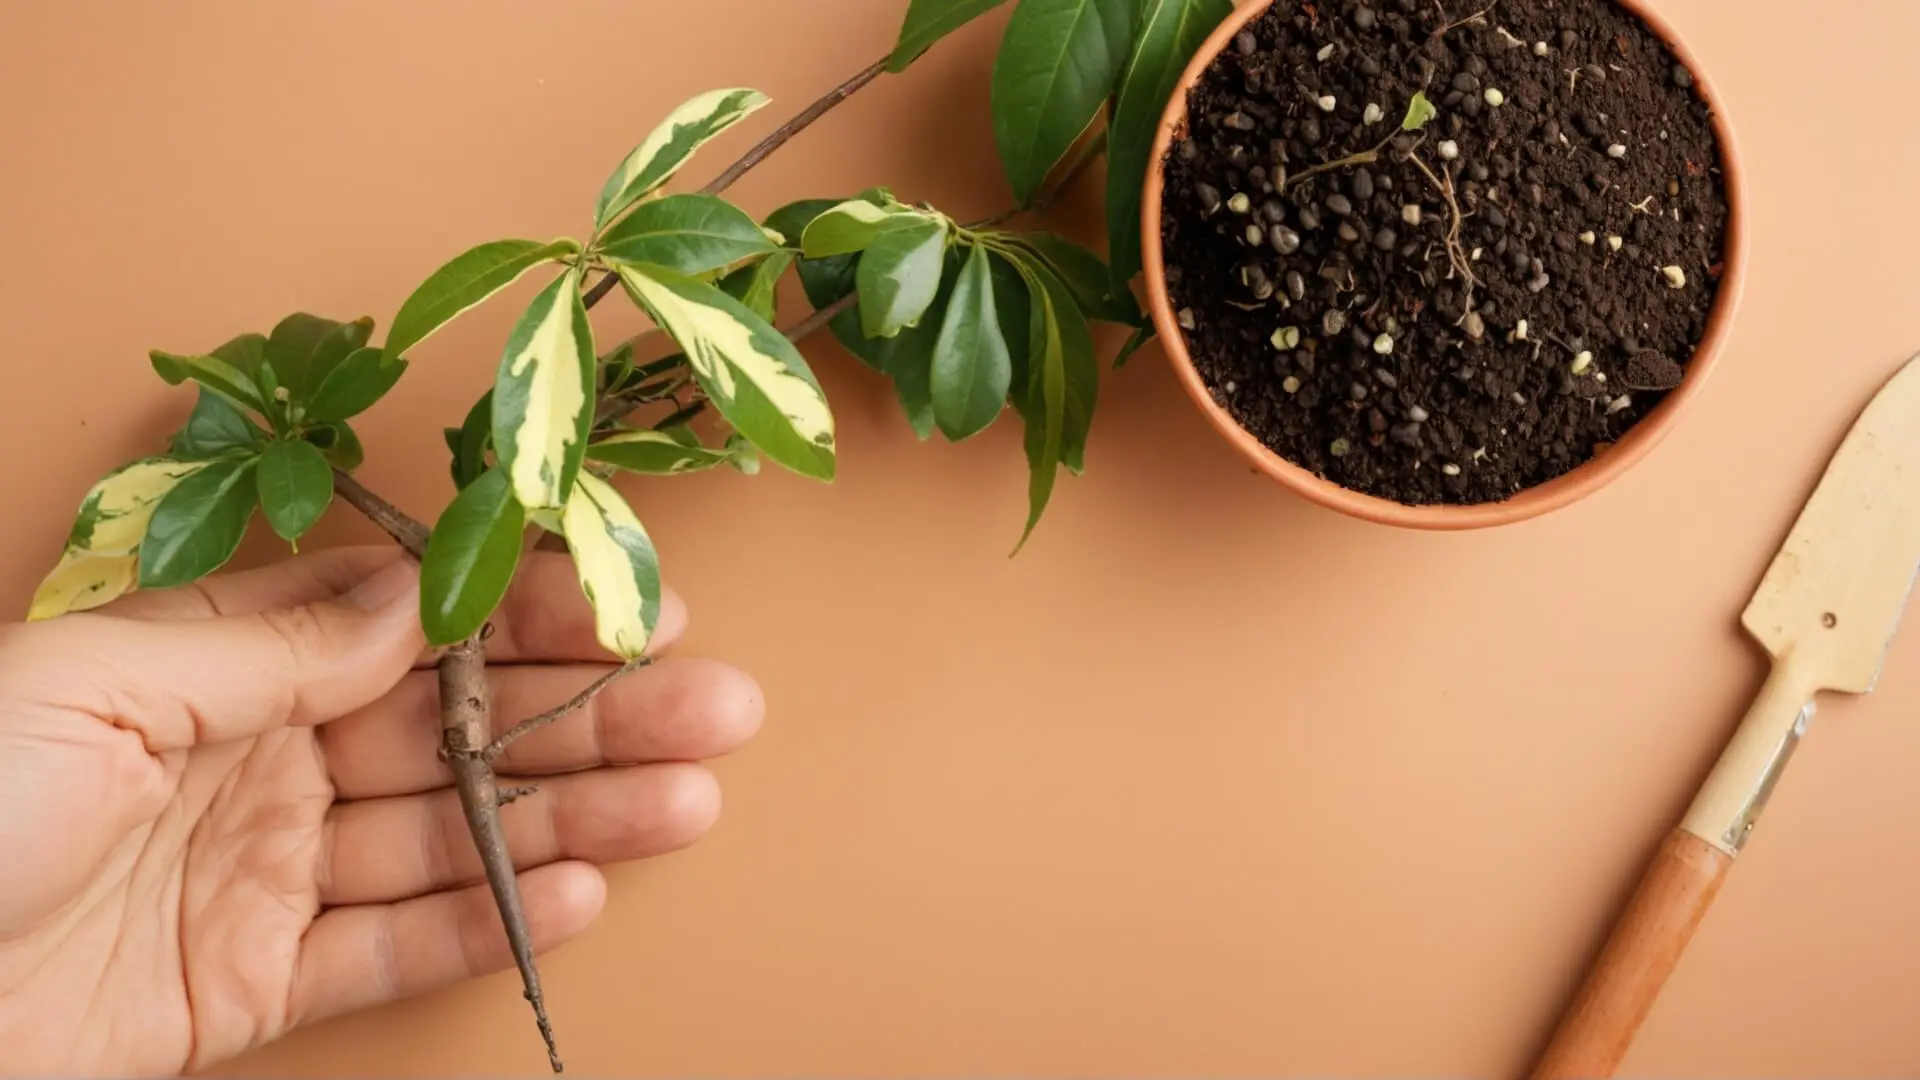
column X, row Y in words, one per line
column 1206, row 782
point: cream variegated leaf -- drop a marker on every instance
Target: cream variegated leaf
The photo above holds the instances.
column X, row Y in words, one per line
column 670, row 145
column 543, row 396
column 113, row 517
column 618, row 568
column 750, row 371
column 81, row 581
column 655, row 453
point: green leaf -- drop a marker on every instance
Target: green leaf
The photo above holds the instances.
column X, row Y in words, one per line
column 750, row 371
column 352, row 387
column 1071, row 337
column 899, row 274
column 337, row 440
column 930, row 20
column 1081, row 371
column 296, row 484
column 971, row 367
column 1046, row 397
column 850, row 227
column 908, row 358
column 245, row 353
column 198, row 525
column 476, row 437
column 693, row 234
column 303, row 346
column 671, row 145
column 340, row 345
column 656, row 453
column 210, row 372
column 1086, row 277
column 758, row 286
column 828, row 278
column 543, row 396
column 215, row 428
column 470, row 559
column 618, row 567
column 1133, row 345
column 1013, row 305
column 465, row 282
column 615, row 367
column 1171, row 31
column 1420, row 112
column 1058, row 63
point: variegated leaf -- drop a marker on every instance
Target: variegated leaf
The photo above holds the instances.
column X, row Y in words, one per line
column 619, row 570
column 543, row 396
column 749, row 370
column 113, row 517
column 670, row 145
column 656, row 453
column 694, row 234
column 465, row 282
column 82, row 581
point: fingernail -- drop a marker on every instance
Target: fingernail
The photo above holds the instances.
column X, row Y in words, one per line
column 386, row 588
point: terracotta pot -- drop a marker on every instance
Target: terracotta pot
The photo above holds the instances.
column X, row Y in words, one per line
column 1552, row 495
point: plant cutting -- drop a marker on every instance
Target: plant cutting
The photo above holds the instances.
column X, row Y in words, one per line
column 1443, row 267
column 965, row 319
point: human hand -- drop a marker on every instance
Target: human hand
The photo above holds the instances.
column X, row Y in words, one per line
column 223, row 813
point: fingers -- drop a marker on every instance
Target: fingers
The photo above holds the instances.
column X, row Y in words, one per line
column 302, row 579
column 676, row 710
column 389, row 849
column 357, row 957
column 228, row 676
column 545, row 617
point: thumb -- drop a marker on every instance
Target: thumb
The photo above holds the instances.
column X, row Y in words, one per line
column 233, row 676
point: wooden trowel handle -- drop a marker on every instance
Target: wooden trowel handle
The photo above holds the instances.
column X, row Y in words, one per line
column 1677, row 888
column 1642, row 952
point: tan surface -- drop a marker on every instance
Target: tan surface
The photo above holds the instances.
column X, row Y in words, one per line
column 1207, row 782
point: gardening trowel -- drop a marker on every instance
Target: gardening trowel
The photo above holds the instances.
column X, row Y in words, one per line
column 1826, row 612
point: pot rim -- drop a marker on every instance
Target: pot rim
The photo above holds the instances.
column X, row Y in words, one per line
column 1562, row 491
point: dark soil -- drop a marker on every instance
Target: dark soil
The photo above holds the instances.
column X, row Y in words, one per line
column 1600, row 137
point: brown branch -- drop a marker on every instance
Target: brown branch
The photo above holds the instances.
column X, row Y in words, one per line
column 574, row 704
column 465, row 722
column 406, row 531
column 785, row 132
column 600, row 289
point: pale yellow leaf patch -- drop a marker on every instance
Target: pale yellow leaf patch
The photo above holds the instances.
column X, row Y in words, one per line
column 720, row 346
column 548, row 364
column 613, row 557
column 81, row 581
column 114, row 516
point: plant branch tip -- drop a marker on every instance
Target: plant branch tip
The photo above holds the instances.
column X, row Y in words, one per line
column 574, row 704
